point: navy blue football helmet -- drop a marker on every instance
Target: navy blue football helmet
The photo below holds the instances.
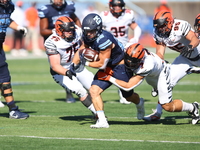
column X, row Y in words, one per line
column 92, row 22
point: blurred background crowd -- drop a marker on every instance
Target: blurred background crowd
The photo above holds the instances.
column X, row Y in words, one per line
column 25, row 14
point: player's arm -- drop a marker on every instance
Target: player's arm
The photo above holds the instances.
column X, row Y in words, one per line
column 54, row 61
column 160, row 50
column 133, row 82
column 13, row 25
column 76, row 20
column 44, row 31
column 194, row 41
column 104, row 57
column 137, row 32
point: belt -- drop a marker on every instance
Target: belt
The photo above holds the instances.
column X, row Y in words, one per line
column 195, row 58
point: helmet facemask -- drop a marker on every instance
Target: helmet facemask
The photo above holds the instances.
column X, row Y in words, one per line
column 116, row 11
column 197, row 24
column 4, row 3
column 58, row 6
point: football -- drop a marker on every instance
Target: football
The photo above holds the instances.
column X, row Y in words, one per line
column 90, row 54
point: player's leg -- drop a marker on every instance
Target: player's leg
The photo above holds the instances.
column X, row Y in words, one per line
column 75, row 87
column 177, row 105
column 6, row 90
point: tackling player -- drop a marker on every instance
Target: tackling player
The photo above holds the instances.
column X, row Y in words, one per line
column 60, row 49
column 118, row 20
column 147, row 65
column 6, row 8
column 48, row 15
column 111, row 55
column 179, row 36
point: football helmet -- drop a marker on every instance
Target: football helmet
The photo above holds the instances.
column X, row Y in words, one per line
column 4, row 2
column 58, row 5
column 119, row 3
column 197, row 24
column 92, row 23
column 134, row 56
column 162, row 23
column 65, row 24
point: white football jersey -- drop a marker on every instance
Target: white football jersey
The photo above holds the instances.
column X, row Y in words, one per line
column 176, row 40
column 150, row 68
column 54, row 44
column 118, row 26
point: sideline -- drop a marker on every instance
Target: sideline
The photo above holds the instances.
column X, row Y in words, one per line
column 93, row 139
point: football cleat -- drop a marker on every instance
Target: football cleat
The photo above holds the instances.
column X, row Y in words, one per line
column 155, row 116
column 195, row 113
column 140, row 109
column 193, row 70
column 70, row 100
column 16, row 114
column 154, row 92
column 100, row 124
column 1, row 104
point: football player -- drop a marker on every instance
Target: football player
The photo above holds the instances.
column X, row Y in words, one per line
column 6, row 8
column 60, row 49
column 111, row 55
column 48, row 15
column 179, row 36
column 118, row 20
column 147, row 65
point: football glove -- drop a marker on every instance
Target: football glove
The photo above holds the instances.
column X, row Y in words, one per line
column 187, row 51
column 103, row 76
column 69, row 74
column 22, row 30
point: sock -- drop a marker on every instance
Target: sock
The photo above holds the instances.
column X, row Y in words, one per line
column 11, row 105
column 92, row 109
column 101, row 115
column 159, row 108
column 187, row 107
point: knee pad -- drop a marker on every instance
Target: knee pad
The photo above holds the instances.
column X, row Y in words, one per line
column 4, row 87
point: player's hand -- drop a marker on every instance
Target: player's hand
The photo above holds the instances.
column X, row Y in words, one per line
column 72, row 69
column 22, row 30
column 103, row 76
column 187, row 51
column 69, row 74
column 109, row 71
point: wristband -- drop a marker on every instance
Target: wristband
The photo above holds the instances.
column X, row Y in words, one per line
column 112, row 79
column 87, row 63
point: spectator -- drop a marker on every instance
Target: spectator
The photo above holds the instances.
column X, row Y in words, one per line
column 18, row 42
column 32, row 37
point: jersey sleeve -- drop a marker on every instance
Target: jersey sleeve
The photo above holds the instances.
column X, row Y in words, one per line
column 185, row 28
column 42, row 11
column 50, row 47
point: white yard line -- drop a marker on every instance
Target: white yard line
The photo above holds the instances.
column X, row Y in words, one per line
column 94, row 139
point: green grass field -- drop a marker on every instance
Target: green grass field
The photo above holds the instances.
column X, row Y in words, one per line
column 57, row 125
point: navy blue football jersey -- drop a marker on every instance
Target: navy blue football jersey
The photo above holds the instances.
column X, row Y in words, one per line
column 105, row 40
column 48, row 11
column 5, row 20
